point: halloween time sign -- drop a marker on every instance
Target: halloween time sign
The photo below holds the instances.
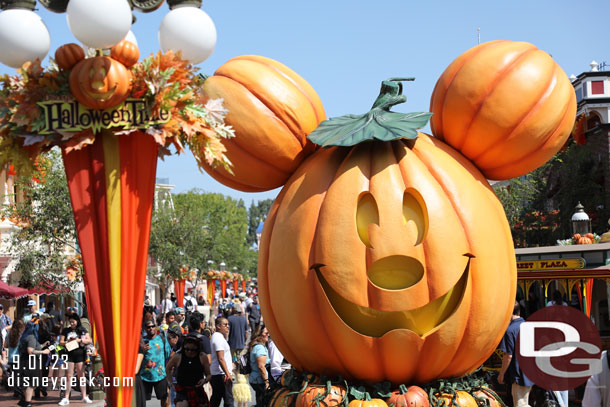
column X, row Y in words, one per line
column 70, row 115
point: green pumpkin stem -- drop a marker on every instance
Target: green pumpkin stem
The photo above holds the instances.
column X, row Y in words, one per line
column 378, row 124
column 403, row 389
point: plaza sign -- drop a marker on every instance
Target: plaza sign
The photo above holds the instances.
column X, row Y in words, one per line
column 551, row 264
column 71, row 116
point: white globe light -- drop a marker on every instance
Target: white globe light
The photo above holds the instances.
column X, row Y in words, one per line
column 23, row 37
column 131, row 37
column 99, row 24
column 190, row 30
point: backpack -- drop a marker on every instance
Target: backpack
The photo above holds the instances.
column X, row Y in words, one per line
column 243, row 364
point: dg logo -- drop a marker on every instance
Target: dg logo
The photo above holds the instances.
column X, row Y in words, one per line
column 559, row 348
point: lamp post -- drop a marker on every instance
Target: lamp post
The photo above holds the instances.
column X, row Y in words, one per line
column 581, row 223
column 111, row 181
column 101, row 24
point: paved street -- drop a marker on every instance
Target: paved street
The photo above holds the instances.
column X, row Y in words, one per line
column 6, row 400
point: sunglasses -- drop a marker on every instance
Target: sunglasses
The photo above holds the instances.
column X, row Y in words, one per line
column 149, row 326
column 190, row 349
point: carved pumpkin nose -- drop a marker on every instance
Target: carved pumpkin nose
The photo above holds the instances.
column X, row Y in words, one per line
column 396, row 272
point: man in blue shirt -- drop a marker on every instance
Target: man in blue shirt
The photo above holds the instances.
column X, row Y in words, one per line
column 510, row 373
column 153, row 364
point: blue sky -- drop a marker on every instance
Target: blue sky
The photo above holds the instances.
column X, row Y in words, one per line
column 344, row 49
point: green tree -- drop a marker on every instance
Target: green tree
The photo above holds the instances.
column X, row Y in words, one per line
column 202, row 227
column 44, row 244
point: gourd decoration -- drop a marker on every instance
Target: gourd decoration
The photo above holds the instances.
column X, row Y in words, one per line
column 412, row 396
column 505, row 105
column 586, row 239
column 272, row 110
column 488, row 397
column 69, row 55
column 458, row 398
column 100, row 82
column 283, row 397
column 392, row 248
column 328, row 395
column 126, row 52
column 366, row 401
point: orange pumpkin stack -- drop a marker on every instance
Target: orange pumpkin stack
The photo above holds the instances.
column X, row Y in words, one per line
column 100, row 82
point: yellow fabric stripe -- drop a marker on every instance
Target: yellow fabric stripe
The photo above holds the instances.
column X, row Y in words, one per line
column 113, row 204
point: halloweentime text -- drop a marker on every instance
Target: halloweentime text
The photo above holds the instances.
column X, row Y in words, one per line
column 60, row 115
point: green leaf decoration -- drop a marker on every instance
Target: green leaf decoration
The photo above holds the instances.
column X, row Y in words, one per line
column 378, row 124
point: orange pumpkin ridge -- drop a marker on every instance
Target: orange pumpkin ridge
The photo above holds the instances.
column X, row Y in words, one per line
column 271, row 109
column 505, row 105
column 437, row 102
column 302, row 86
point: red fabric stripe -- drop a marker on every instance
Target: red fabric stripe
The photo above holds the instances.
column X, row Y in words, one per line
column 86, row 182
column 138, row 153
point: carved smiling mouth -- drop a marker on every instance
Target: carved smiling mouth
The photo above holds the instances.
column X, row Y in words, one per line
column 374, row 323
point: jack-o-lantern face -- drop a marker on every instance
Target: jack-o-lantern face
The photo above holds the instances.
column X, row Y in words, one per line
column 100, row 82
column 379, row 257
column 390, row 273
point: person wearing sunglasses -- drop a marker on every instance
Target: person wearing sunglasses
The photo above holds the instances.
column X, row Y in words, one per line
column 193, row 371
column 153, row 366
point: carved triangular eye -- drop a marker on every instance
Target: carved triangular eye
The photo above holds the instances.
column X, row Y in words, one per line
column 415, row 214
column 366, row 214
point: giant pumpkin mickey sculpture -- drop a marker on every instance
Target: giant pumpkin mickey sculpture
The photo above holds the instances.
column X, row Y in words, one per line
column 387, row 255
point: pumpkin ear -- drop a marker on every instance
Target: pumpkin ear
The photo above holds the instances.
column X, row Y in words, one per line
column 69, row 55
column 126, row 52
column 505, row 105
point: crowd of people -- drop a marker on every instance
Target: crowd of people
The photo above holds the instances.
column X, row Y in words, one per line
column 191, row 353
column 44, row 350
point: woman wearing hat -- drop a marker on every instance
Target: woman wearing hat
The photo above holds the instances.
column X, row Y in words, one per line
column 30, row 367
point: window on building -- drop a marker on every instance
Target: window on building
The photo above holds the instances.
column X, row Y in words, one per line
column 578, row 94
column 597, row 87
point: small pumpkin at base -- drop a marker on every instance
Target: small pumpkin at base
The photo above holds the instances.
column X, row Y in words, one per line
column 413, row 396
column 584, row 240
column 316, row 395
column 484, row 394
column 283, row 397
column 459, row 398
column 367, row 403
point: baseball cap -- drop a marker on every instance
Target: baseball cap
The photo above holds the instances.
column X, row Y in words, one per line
column 179, row 310
column 237, row 308
column 31, row 303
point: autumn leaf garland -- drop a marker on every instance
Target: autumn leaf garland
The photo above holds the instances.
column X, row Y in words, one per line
column 165, row 81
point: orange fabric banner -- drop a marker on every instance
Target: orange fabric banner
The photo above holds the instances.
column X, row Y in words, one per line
column 243, row 286
column 235, row 283
column 223, row 288
column 111, row 185
column 179, row 290
column 211, row 291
